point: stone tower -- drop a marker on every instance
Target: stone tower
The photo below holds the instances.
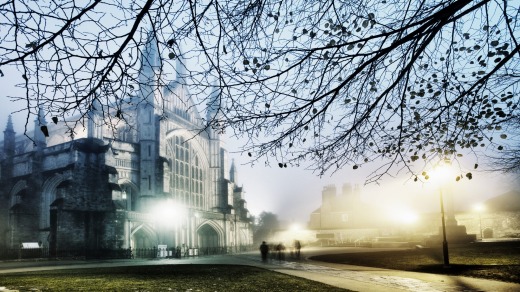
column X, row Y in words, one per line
column 6, row 172
column 217, row 155
column 148, row 122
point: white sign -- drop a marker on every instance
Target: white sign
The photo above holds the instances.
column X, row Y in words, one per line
column 30, row 245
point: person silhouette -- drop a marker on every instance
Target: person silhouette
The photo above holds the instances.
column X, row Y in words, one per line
column 297, row 247
column 264, row 250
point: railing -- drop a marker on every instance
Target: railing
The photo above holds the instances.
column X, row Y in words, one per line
column 362, row 242
column 45, row 252
column 148, row 253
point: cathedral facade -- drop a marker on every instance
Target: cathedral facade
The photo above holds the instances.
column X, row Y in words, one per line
column 157, row 178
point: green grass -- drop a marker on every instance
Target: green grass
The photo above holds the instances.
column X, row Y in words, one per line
column 497, row 261
column 161, row 278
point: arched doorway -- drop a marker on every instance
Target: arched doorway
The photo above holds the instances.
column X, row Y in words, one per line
column 143, row 242
column 208, row 239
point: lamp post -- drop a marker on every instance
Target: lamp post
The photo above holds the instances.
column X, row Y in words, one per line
column 479, row 208
column 442, row 173
column 445, row 253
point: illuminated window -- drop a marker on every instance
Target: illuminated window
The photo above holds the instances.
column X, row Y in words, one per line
column 187, row 174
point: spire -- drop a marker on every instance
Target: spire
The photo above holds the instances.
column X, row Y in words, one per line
column 94, row 126
column 180, row 67
column 214, row 104
column 150, row 69
column 150, row 59
column 40, row 129
column 9, row 137
column 9, row 127
column 233, row 172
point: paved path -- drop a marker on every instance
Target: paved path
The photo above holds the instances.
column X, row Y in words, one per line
column 359, row 278
column 345, row 276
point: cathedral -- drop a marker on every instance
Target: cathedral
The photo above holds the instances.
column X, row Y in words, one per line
column 156, row 179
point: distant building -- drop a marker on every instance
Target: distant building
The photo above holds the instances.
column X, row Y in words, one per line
column 343, row 216
column 151, row 180
column 499, row 217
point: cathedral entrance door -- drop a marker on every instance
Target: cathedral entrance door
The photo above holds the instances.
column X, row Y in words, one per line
column 143, row 242
column 208, row 240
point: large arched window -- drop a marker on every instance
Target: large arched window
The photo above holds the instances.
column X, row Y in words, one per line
column 187, row 173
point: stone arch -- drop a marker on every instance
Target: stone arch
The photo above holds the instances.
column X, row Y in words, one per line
column 210, row 235
column 18, row 187
column 143, row 236
column 49, row 195
column 132, row 197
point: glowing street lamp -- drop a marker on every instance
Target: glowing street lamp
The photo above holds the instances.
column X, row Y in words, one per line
column 295, row 227
column 405, row 216
column 480, row 208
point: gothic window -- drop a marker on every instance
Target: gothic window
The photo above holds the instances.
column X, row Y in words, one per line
column 187, row 173
column 19, row 197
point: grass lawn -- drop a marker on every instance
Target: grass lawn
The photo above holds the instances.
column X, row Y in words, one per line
column 161, row 278
column 498, row 261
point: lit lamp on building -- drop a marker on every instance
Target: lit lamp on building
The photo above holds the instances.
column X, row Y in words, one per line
column 168, row 214
column 479, row 209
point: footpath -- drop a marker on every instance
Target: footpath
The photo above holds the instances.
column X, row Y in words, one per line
column 359, row 278
column 354, row 278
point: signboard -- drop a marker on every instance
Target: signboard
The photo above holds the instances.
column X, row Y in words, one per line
column 30, row 245
column 162, row 252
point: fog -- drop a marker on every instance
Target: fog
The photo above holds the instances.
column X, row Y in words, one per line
column 294, row 192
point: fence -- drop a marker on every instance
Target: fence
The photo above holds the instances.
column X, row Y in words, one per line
column 45, row 252
column 177, row 252
column 148, row 253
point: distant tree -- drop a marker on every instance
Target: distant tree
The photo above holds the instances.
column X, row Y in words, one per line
column 343, row 83
column 266, row 225
column 508, row 160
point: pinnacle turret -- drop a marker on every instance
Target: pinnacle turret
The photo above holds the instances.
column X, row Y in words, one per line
column 9, row 127
column 233, row 172
column 40, row 129
column 150, row 60
column 9, row 137
column 94, row 121
column 214, row 105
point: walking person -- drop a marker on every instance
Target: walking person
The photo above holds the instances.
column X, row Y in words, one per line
column 264, row 250
column 297, row 247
